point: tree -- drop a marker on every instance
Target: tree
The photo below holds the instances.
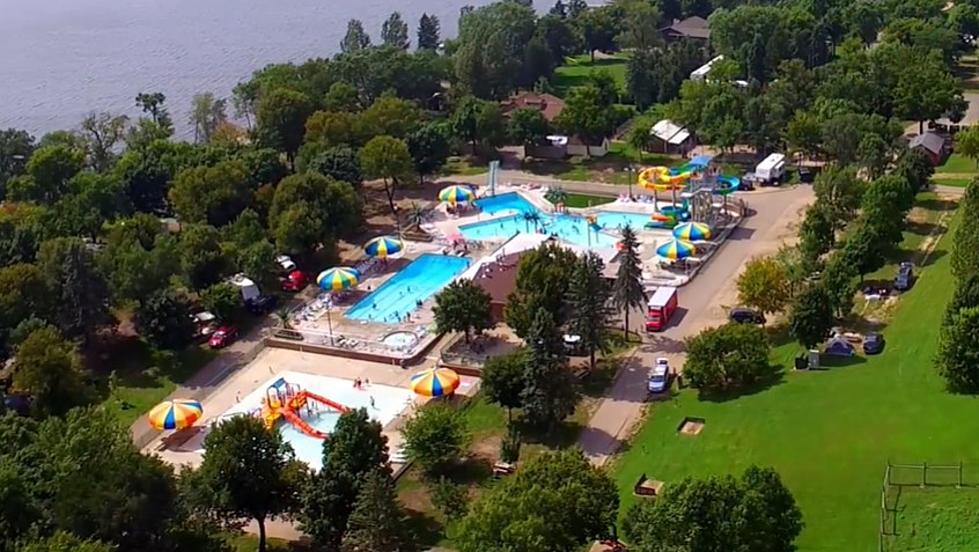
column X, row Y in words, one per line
column 339, row 162
column 929, row 99
column 598, row 27
column 965, row 252
column 915, row 166
column 550, row 394
column 78, row 286
column 102, row 133
column 326, row 129
column 491, row 51
column 884, row 205
column 248, row 472
column 377, row 523
column 543, row 276
column 811, row 317
column 588, row 299
column 727, row 358
column 206, row 115
column 48, row 171
column 153, row 103
column 223, row 299
column 342, row 97
column 201, row 261
column 164, row 319
column 394, row 32
column 429, row 148
column 435, row 437
column 391, row 116
column 764, row 285
column 356, row 38
column 254, row 260
column 839, row 281
column 966, row 295
column 816, row 233
column 967, row 143
column 528, row 127
column 310, row 209
column 356, row 449
column 756, row 512
column 640, row 134
column 92, row 200
column 503, row 379
column 16, row 147
column 428, row 32
column 627, row 291
column 587, row 114
column 65, row 542
column 388, row 159
column 556, row 502
column 958, row 352
column 463, row 306
column 48, row 368
column 478, row 122
column 838, row 192
column 211, row 194
column 281, row 118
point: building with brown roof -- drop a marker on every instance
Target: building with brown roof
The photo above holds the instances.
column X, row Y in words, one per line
column 691, row 28
column 550, row 106
column 499, row 279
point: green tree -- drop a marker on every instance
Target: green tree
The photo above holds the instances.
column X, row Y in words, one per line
column 627, row 291
column 206, row 115
column 311, row 209
column 338, row 162
column 255, row 261
column 543, row 276
column 48, row 171
column 394, row 32
column 377, row 523
column 49, row 369
column 164, row 320
column 965, row 252
column 528, row 127
column 503, row 380
column 967, row 143
column 556, row 502
column 16, row 147
column 102, row 132
column 839, row 281
column 211, row 194
column 356, row 38
column 65, row 542
column 342, row 97
column 915, row 166
column 966, row 296
column 587, row 115
column 811, row 317
column 463, row 306
column 598, row 28
column 201, row 261
column 640, row 134
column 550, row 394
column 478, row 122
column 389, row 160
column 930, row 96
column 153, row 104
column 490, row 51
column 958, row 352
column 281, row 118
column 589, row 297
column 92, row 200
column 816, row 233
column 23, row 293
column 356, row 448
column 755, row 512
column 391, row 116
column 428, row 32
column 78, row 286
column 838, row 192
column 764, row 285
column 727, row 358
column 429, row 148
column 435, row 437
column 224, row 300
column 325, row 129
column 249, row 473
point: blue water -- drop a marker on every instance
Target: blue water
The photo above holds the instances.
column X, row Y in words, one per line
column 570, row 228
column 418, row 281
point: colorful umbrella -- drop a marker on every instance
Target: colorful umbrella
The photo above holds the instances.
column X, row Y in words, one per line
column 382, row 246
column 176, row 414
column 692, row 231
column 337, row 278
column 456, row 194
column 676, row 249
column 435, row 382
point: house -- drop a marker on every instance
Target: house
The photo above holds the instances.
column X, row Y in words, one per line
column 936, row 146
column 692, row 28
column 577, row 146
column 669, row 137
column 499, row 279
column 550, row 106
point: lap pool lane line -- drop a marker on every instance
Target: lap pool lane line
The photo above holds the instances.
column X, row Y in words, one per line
column 623, row 403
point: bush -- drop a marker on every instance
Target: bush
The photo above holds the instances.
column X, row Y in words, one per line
column 958, row 351
column 435, row 437
column 450, row 499
column 727, row 357
column 510, row 446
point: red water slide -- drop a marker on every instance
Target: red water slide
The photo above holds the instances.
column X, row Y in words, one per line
column 293, row 417
column 334, row 405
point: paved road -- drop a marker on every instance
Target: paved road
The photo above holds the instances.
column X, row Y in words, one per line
column 701, row 305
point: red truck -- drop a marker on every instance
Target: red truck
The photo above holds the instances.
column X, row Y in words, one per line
column 662, row 304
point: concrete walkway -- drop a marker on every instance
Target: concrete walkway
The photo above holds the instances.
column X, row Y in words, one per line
column 703, row 302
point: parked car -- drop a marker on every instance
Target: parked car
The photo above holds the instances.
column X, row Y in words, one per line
column 905, row 276
column 659, row 378
column 873, row 343
column 744, row 315
column 285, row 263
column 295, row 281
column 263, row 304
column 204, row 324
column 223, row 336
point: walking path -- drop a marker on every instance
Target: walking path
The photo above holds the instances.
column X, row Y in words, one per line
column 703, row 302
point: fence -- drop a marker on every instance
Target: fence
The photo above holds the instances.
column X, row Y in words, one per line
column 921, row 476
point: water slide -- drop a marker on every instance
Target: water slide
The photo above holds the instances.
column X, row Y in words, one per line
column 293, row 418
column 334, row 405
column 727, row 185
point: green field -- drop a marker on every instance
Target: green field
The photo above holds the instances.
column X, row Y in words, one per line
column 581, row 201
column 935, row 519
column 828, row 433
column 954, row 181
column 576, row 70
column 957, row 163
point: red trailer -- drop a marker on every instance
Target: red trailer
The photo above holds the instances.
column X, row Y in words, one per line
column 660, row 308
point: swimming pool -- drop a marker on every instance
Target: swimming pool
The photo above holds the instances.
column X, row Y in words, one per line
column 418, row 281
column 570, row 228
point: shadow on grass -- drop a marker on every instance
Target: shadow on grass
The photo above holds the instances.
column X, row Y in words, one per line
column 474, row 470
column 933, row 257
column 922, row 228
column 777, row 377
column 426, row 530
column 832, row 361
column 936, row 204
column 563, row 436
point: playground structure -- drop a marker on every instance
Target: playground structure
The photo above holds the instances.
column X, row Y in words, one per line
column 695, row 182
column 288, row 400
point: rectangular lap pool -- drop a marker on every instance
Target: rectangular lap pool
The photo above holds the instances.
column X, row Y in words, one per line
column 404, row 291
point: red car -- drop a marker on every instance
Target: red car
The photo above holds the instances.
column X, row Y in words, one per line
column 223, row 336
column 295, row 281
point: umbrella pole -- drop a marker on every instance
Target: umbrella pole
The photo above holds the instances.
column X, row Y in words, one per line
column 329, row 324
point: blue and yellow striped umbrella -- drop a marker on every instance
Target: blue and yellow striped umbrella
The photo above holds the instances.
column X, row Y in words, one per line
column 435, row 382
column 692, row 231
column 176, row 414
column 456, row 194
column 337, row 278
column 382, row 246
column 676, row 249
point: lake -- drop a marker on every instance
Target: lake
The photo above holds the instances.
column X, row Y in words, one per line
column 62, row 59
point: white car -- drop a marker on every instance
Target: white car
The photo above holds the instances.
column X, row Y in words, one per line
column 659, row 378
column 285, row 263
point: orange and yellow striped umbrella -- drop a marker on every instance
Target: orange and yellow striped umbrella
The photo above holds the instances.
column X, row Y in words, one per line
column 176, row 414
column 435, row 382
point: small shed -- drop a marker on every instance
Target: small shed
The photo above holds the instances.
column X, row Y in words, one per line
column 934, row 145
column 669, row 137
column 839, row 346
column 692, row 28
column 700, row 73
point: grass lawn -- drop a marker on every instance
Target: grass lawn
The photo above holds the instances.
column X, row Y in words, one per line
column 576, row 70
column 610, row 169
column 828, row 433
column 957, row 163
column 462, row 166
column 583, row 200
column 954, row 181
column 935, row 519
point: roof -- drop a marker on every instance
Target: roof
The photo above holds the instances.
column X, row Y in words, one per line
column 701, row 72
column 668, row 131
column 931, row 141
column 499, row 278
column 770, row 162
column 550, row 106
column 691, row 27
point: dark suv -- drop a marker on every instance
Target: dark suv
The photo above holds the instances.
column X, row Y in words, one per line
column 262, row 304
column 744, row 315
column 905, row 277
